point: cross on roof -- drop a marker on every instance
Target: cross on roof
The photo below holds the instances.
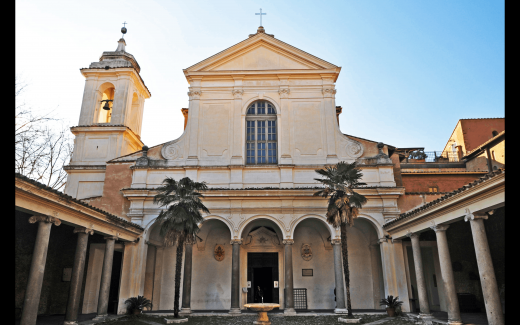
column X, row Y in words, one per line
column 261, row 14
column 124, row 24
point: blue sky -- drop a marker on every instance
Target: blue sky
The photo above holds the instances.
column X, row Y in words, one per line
column 410, row 69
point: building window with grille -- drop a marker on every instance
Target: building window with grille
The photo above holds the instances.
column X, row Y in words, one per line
column 433, row 189
column 261, row 138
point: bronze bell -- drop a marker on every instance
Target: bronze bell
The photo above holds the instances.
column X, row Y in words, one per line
column 106, row 107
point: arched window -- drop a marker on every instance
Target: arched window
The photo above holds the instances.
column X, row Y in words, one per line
column 104, row 115
column 494, row 133
column 261, row 136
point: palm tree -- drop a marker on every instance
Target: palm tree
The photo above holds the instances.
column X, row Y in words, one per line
column 180, row 221
column 343, row 205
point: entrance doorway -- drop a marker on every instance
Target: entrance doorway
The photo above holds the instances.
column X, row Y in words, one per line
column 113, row 294
column 262, row 271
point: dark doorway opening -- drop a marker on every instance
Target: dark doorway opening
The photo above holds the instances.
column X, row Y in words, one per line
column 262, row 271
column 113, row 294
column 263, row 278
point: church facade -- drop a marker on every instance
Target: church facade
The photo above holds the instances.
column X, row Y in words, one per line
column 262, row 117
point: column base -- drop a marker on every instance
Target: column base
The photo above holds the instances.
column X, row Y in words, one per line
column 289, row 312
column 185, row 311
column 341, row 311
column 98, row 317
column 235, row 311
column 425, row 319
column 455, row 322
column 70, row 322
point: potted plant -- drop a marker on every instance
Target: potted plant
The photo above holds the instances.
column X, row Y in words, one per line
column 391, row 304
column 135, row 305
column 418, row 156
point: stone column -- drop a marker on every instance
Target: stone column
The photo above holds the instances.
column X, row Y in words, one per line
column 447, row 275
column 485, row 269
column 106, row 275
column 329, row 107
column 193, row 122
column 338, row 275
column 374, row 258
column 35, row 279
column 284, row 123
column 289, row 283
column 235, row 277
column 237, row 148
column 186, row 284
column 419, row 275
column 76, row 279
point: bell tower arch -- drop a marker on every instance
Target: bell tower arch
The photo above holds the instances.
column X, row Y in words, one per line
column 110, row 119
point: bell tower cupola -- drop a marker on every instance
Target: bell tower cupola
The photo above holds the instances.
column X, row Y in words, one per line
column 111, row 113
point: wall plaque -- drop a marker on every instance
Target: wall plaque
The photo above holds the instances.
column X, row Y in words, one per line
column 307, row 272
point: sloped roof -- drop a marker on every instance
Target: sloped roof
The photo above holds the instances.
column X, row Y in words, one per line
column 456, row 192
column 70, row 198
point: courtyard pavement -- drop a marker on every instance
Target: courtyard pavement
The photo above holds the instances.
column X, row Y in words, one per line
column 86, row 319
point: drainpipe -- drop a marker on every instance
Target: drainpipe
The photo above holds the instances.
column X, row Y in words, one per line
column 490, row 165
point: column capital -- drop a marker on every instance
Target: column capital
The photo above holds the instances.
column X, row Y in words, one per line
column 237, row 93
column 336, row 241
column 194, row 94
column 382, row 240
column 329, row 92
column 284, row 92
column 438, row 228
column 288, row 241
column 83, row 230
column 473, row 216
column 236, row 241
column 412, row 234
column 114, row 237
column 44, row 218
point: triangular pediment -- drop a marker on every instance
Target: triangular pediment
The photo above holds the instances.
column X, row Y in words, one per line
column 261, row 52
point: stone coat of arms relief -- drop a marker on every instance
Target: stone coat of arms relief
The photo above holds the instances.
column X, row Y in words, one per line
column 306, row 252
column 219, row 252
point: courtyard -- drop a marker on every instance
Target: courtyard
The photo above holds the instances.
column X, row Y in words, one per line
column 249, row 318
column 307, row 318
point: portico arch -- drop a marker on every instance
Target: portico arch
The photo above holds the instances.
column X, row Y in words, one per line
column 374, row 223
column 245, row 226
column 332, row 231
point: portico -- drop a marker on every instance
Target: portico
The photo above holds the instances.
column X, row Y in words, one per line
column 472, row 203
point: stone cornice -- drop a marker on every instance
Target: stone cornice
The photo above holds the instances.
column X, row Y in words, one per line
column 107, row 128
column 85, row 167
column 138, row 81
column 269, row 193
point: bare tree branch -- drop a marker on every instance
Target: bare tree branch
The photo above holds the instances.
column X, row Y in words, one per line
column 41, row 148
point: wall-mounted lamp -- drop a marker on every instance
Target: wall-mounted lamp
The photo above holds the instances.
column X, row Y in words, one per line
column 106, row 107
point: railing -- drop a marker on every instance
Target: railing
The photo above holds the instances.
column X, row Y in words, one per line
column 437, row 157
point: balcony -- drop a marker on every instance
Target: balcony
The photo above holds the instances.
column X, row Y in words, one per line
column 432, row 157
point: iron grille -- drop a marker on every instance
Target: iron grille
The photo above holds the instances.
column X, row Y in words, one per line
column 300, row 299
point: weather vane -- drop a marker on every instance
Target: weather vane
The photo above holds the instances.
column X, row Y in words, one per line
column 123, row 30
column 261, row 14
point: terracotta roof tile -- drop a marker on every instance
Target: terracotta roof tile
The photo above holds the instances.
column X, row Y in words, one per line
column 450, row 194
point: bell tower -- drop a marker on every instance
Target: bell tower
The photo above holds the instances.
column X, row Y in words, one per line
column 110, row 119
